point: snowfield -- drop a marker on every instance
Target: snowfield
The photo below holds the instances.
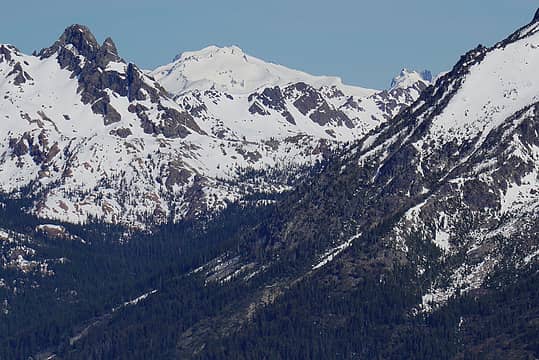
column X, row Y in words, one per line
column 124, row 150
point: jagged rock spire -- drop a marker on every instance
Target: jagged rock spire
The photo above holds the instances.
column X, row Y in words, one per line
column 107, row 53
column 536, row 17
column 78, row 40
column 79, row 36
column 110, row 46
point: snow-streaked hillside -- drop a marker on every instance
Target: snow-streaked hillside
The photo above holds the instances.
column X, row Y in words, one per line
column 448, row 188
column 431, row 204
column 87, row 135
column 469, row 164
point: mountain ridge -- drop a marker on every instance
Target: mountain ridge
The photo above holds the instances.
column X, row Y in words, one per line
column 183, row 154
column 232, row 70
column 417, row 239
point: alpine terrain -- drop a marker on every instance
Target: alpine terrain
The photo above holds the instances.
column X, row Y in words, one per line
column 92, row 137
column 223, row 207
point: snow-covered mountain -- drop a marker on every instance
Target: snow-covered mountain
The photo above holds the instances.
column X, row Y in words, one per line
column 408, row 78
column 462, row 164
column 240, row 96
column 451, row 184
column 434, row 204
column 230, row 70
column 449, row 189
column 87, row 135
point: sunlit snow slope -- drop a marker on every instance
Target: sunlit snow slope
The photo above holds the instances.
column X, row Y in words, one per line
column 87, row 135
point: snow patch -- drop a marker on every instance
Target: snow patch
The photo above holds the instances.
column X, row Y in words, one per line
column 332, row 253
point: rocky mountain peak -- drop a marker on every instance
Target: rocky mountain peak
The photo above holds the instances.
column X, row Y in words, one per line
column 408, row 78
column 258, row 113
column 80, row 37
column 536, row 17
column 110, row 46
column 77, row 36
column 77, row 40
column 107, row 53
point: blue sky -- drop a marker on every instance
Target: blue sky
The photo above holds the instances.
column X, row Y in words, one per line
column 364, row 42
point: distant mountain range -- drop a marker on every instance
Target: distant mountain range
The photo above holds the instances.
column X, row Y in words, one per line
column 233, row 208
column 91, row 136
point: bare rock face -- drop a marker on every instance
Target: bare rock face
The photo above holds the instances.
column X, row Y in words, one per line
column 77, row 37
column 21, row 76
column 100, row 68
column 181, row 154
column 177, row 175
column 78, row 51
column 311, row 102
column 107, row 53
column 271, row 98
column 35, row 145
column 5, row 53
column 103, row 107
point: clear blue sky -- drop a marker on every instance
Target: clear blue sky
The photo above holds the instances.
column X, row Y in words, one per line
column 364, row 42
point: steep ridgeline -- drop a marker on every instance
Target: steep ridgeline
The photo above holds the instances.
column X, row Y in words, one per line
column 458, row 171
column 79, row 126
column 420, row 240
column 88, row 135
column 447, row 191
